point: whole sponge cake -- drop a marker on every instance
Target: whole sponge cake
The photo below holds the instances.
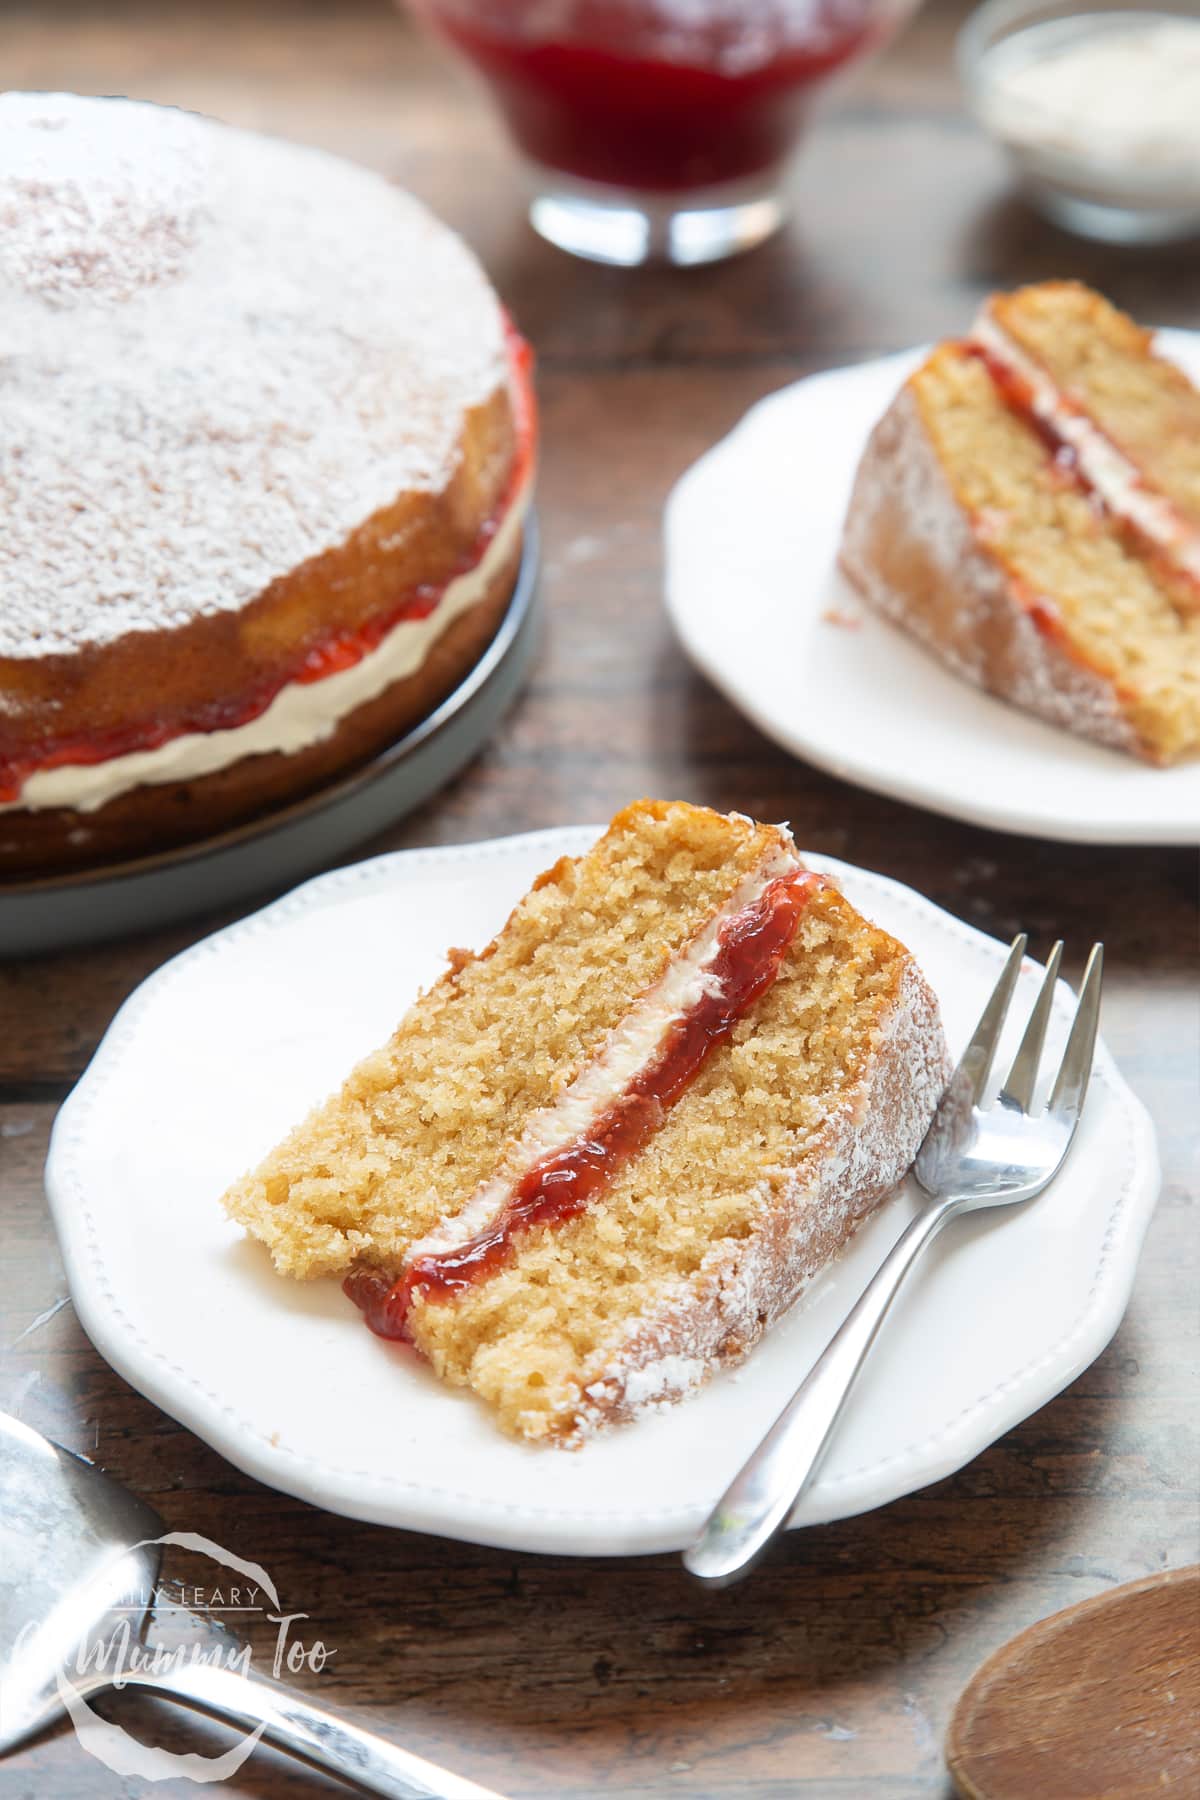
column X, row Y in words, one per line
column 265, row 446
column 1029, row 507
column 598, row 1158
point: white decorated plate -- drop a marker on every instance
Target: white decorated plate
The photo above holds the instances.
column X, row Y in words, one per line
column 217, row 1054
column 752, row 532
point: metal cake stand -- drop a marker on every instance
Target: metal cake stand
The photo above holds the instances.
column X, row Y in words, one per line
column 88, row 906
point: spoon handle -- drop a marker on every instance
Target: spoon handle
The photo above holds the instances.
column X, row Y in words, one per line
column 283, row 1718
column 762, row 1496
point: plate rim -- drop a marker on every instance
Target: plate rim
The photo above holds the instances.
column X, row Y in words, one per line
column 504, row 1524
column 886, row 779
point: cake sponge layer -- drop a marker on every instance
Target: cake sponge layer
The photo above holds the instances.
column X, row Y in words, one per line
column 421, row 1122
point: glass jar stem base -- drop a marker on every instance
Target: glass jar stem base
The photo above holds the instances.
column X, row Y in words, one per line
column 609, row 225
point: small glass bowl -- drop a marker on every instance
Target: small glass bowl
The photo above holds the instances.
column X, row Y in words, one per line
column 1086, row 180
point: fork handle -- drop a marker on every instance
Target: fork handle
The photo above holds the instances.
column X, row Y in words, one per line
column 762, row 1496
column 284, row 1718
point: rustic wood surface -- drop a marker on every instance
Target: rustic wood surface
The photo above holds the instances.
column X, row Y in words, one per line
column 836, row 1670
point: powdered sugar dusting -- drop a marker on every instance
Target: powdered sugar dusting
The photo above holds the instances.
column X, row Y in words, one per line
column 663, row 1380
column 218, row 355
column 901, row 493
column 88, row 205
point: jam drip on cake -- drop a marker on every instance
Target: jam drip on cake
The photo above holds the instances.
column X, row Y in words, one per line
column 751, row 947
column 1170, row 544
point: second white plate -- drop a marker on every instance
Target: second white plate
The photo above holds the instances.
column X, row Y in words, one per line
column 752, row 532
column 220, row 1051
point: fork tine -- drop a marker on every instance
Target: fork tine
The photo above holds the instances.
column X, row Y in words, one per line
column 1070, row 1086
column 1022, row 1077
column 976, row 1065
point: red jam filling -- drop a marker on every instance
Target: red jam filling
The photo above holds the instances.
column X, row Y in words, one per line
column 1017, row 395
column 751, row 947
column 612, row 95
column 338, row 652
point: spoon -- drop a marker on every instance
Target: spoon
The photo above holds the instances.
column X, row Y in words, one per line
column 74, row 1543
column 1102, row 1699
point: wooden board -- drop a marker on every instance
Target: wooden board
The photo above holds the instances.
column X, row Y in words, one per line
column 1100, row 1700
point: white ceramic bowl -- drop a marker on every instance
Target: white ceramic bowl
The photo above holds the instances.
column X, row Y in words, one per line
column 1113, row 167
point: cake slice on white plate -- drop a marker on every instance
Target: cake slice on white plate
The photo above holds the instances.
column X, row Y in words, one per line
column 599, row 1157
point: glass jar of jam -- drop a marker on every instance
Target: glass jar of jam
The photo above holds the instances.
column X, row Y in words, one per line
column 658, row 129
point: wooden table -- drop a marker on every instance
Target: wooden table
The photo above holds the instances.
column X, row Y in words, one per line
column 834, row 1672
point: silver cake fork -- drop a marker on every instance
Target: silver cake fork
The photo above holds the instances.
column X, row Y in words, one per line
column 973, row 1156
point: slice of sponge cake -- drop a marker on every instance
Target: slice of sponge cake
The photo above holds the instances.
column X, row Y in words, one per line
column 598, row 1159
column 1029, row 507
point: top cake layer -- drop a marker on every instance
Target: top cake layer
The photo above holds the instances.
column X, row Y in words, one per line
column 1121, row 421
column 221, row 354
column 1106, row 369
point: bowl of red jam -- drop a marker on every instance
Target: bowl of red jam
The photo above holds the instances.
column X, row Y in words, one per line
column 659, row 130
